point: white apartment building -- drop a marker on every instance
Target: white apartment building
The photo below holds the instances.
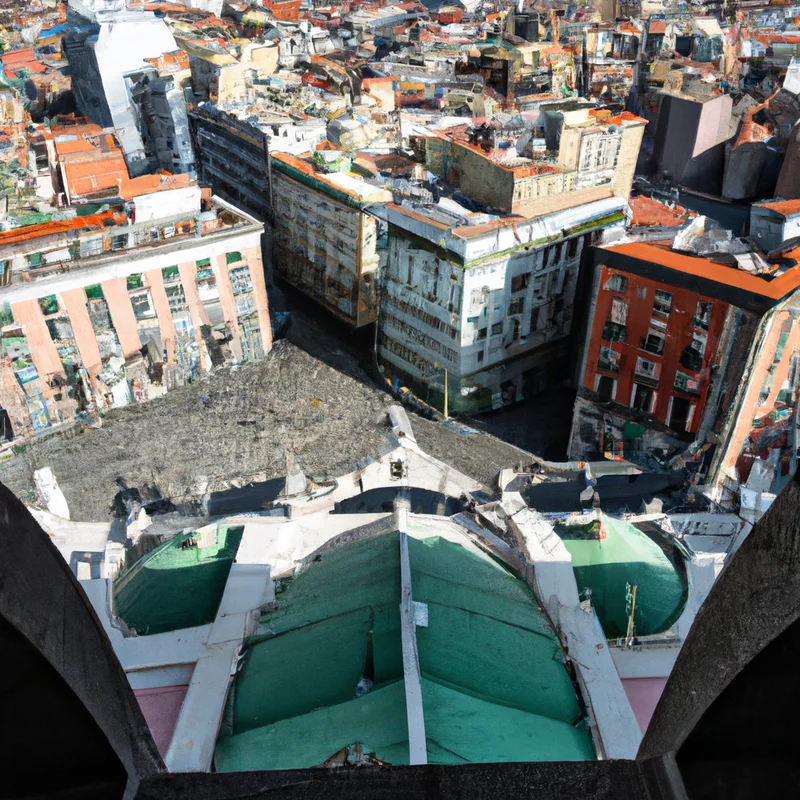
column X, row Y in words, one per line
column 490, row 300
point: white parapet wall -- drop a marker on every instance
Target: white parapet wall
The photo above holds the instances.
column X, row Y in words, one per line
column 617, row 732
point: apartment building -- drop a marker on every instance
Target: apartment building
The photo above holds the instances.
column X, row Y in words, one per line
column 119, row 305
column 490, row 300
column 572, row 155
column 326, row 241
column 692, row 358
column 489, row 296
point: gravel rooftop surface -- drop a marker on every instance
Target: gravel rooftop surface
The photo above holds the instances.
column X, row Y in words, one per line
column 236, row 426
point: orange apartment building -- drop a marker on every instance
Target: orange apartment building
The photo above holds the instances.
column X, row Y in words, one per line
column 102, row 308
column 686, row 359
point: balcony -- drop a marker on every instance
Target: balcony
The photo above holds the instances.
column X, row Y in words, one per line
column 613, row 332
column 646, row 380
column 686, row 384
column 691, row 359
column 608, row 360
column 647, row 372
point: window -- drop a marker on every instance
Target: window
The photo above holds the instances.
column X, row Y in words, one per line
column 119, row 242
column 516, row 306
column 480, row 357
column 643, row 397
column 176, row 298
column 134, row 281
column 654, row 343
column 702, row 315
column 34, row 259
column 142, row 304
column 572, row 247
column 497, row 328
column 481, row 333
column 616, row 283
column 49, row 305
column 233, row 258
column 520, row 282
column 662, row 305
column 646, row 368
column 612, row 332
column 619, row 311
column 598, row 151
column 691, row 359
column 241, row 282
column 608, row 360
column 606, row 388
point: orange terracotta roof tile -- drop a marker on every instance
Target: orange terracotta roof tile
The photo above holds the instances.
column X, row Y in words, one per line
column 647, row 212
column 786, row 207
column 90, row 222
column 662, row 254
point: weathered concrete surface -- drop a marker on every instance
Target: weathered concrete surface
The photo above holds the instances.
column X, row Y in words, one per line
column 730, row 721
column 478, row 455
column 48, row 741
column 566, row 780
column 235, row 427
column 229, row 429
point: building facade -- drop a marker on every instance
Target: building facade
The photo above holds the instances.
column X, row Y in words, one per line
column 108, row 309
column 651, row 347
column 491, row 303
column 690, row 360
column 128, row 73
column 233, row 158
column 325, row 240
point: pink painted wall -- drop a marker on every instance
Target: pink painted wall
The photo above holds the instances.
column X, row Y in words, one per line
column 154, row 280
column 75, row 304
column 226, row 298
column 43, row 351
column 161, row 707
column 188, row 272
column 643, row 694
column 253, row 256
column 115, row 293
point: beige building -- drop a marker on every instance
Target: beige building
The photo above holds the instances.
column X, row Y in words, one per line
column 226, row 76
column 584, row 150
column 326, row 243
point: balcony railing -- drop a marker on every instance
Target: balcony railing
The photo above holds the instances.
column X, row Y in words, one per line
column 613, row 332
column 646, row 379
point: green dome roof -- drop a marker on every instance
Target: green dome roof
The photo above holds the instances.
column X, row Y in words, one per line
column 626, row 556
column 494, row 684
column 173, row 587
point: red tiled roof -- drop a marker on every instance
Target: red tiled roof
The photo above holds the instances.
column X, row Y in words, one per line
column 647, row 212
column 661, row 253
column 786, row 207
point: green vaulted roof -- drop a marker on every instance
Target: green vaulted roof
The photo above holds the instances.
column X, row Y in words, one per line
column 626, row 556
column 328, row 672
column 174, row 587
